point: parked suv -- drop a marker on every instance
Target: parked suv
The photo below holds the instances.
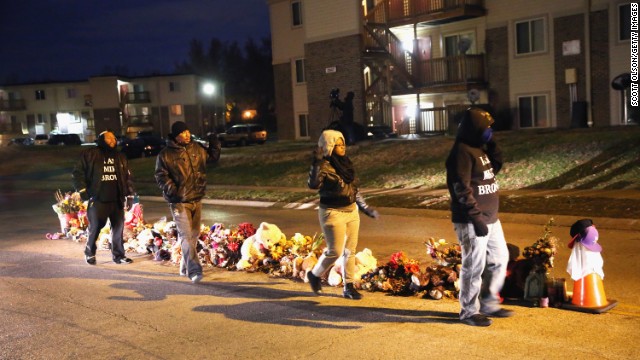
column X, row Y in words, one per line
column 243, row 134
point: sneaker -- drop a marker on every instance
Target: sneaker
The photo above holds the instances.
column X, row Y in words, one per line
column 196, row 278
column 350, row 292
column 477, row 320
column 314, row 281
column 122, row 260
column 91, row 260
column 500, row 313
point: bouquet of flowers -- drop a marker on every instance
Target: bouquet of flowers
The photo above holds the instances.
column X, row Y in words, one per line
column 543, row 250
column 68, row 203
column 394, row 276
column 446, row 256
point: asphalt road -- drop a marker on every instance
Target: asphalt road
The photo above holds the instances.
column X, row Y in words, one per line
column 54, row 306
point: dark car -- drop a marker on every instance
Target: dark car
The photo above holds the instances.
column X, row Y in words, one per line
column 243, row 134
column 143, row 145
column 26, row 141
column 64, row 139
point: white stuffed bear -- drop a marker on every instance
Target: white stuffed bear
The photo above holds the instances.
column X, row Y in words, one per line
column 254, row 248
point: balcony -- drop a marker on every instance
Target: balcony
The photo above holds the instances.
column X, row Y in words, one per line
column 451, row 72
column 432, row 12
column 12, row 105
column 139, row 120
column 141, row 97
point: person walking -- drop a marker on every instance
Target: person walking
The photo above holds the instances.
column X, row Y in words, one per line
column 332, row 173
column 472, row 164
column 102, row 176
column 181, row 174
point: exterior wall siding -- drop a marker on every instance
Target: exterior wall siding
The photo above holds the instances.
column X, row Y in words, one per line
column 565, row 29
column 497, row 48
column 284, row 101
column 600, row 75
column 343, row 54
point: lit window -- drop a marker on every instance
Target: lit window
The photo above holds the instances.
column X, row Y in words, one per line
column 300, row 77
column 176, row 110
column 532, row 111
column 296, row 13
column 530, row 36
column 624, row 22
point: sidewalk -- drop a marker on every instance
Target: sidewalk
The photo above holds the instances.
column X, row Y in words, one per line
column 525, row 206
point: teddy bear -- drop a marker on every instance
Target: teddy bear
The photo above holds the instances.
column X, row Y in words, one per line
column 258, row 247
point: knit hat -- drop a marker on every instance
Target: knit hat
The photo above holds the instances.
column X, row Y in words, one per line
column 480, row 119
column 328, row 140
column 177, row 128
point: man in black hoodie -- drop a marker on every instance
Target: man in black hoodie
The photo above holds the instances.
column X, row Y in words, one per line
column 102, row 175
column 472, row 164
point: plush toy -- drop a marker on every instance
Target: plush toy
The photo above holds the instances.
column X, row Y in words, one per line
column 365, row 262
column 260, row 245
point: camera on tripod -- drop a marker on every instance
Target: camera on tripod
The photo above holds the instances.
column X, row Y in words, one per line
column 334, row 95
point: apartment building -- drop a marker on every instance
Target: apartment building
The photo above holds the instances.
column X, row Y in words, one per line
column 123, row 105
column 415, row 64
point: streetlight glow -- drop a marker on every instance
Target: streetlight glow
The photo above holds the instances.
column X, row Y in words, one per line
column 208, row 89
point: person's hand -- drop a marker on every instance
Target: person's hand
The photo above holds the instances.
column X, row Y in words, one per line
column 318, row 155
column 479, row 227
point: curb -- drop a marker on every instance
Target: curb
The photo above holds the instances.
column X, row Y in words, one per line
column 522, row 218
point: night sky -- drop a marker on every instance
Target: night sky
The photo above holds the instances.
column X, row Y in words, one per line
column 67, row 40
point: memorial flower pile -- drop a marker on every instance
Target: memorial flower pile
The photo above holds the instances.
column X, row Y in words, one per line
column 543, row 250
column 68, row 203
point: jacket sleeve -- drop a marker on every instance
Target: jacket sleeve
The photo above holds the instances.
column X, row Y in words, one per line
column 362, row 206
column 462, row 185
column 495, row 156
column 162, row 177
column 78, row 175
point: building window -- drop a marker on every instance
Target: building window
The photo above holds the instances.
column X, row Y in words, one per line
column 300, row 78
column 40, row 118
column 624, row 22
column 71, row 93
column 296, row 13
column 532, row 111
column 303, row 125
column 530, row 36
column 454, row 44
column 176, row 110
column 174, row 86
column 40, row 95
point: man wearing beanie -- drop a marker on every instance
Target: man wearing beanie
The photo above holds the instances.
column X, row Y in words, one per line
column 181, row 174
column 472, row 164
column 102, row 175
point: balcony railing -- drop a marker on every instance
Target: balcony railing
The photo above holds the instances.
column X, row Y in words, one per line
column 459, row 69
column 139, row 120
column 137, row 97
column 12, row 105
column 398, row 11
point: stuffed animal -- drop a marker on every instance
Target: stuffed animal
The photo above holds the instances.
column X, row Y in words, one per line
column 260, row 245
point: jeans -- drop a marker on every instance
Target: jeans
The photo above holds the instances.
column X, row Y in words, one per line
column 484, row 267
column 340, row 228
column 97, row 214
column 187, row 219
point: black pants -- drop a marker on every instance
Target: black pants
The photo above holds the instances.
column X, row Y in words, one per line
column 98, row 213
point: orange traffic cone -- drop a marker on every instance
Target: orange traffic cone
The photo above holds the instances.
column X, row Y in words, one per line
column 589, row 296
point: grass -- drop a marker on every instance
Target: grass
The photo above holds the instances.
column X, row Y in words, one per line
column 604, row 158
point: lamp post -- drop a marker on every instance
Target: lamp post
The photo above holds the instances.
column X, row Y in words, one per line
column 209, row 93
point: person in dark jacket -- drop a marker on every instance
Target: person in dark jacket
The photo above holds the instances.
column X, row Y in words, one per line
column 181, row 174
column 102, row 175
column 472, row 164
column 332, row 173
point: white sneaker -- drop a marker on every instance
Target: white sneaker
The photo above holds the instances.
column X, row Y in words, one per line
column 196, row 278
